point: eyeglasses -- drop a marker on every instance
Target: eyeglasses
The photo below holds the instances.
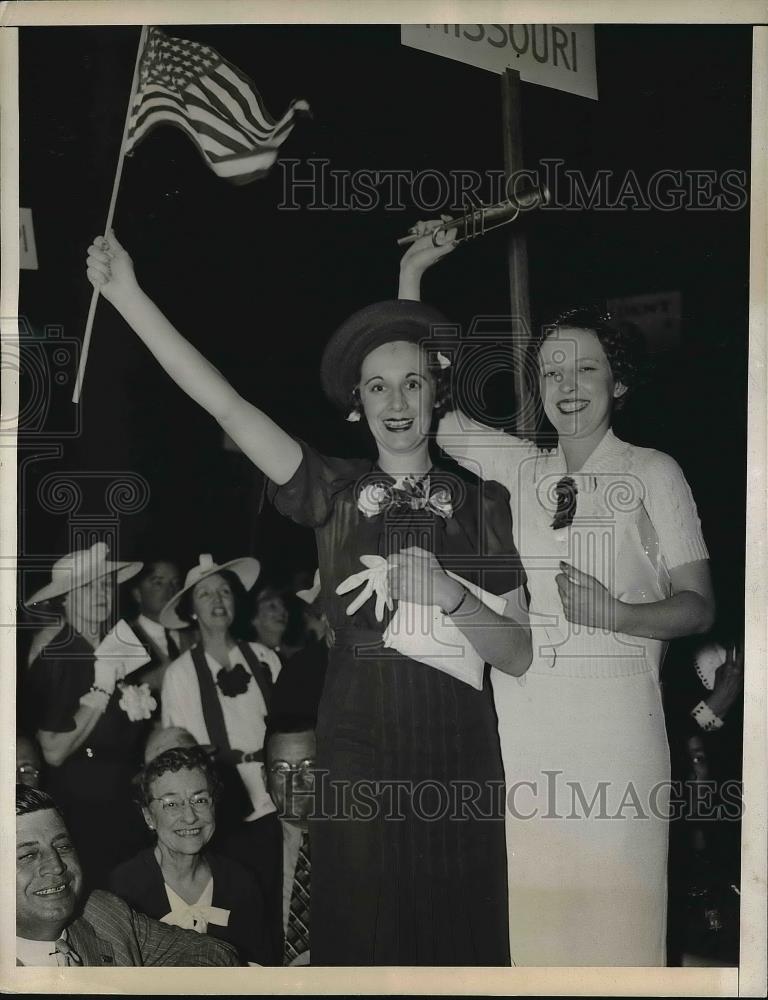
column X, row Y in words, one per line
column 170, row 804
column 281, row 768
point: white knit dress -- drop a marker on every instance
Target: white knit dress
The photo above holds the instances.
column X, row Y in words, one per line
column 582, row 734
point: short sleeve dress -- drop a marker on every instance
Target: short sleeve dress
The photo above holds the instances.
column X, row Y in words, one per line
column 583, row 738
column 93, row 785
column 408, row 852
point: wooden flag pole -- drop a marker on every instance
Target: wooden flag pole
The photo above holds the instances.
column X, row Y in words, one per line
column 110, row 216
column 512, row 125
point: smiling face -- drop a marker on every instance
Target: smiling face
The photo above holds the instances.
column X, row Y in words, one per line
column 214, row 603
column 48, row 876
column 90, row 604
column 182, row 826
column 156, row 589
column 398, row 396
column 577, row 386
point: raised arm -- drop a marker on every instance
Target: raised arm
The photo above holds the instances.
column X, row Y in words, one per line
column 421, row 255
column 483, row 450
column 110, row 269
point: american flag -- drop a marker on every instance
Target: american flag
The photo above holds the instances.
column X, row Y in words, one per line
column 191, row 86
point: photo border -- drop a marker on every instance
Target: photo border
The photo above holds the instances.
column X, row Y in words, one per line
column 750, row 977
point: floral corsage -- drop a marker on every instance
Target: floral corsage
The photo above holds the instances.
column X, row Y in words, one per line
column 413, row 494
column 136, row 701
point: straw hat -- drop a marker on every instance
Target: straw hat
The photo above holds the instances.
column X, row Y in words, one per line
column 84, row 566
column 246, row 569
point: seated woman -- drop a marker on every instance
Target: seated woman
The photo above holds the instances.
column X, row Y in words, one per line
column 180, row 882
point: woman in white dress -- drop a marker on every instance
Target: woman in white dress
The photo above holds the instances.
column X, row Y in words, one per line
column 612, row 546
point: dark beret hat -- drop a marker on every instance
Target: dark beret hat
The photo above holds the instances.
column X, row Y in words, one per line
column 369, row 328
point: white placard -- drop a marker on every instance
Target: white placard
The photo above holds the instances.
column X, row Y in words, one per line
column 28, row 250
column 561, row 56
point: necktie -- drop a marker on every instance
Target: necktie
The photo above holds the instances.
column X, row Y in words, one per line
column 66, row 954
column 566, row 492
column 173, row 649
column 297, row 931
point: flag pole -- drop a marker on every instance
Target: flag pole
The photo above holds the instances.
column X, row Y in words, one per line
column 110, row 215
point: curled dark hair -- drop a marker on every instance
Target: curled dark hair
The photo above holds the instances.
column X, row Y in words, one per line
column 622, row 342
column 241, row 627
column 30, row 800
column 177, row 759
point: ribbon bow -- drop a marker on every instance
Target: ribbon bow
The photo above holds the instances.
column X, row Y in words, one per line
column 566, row 492
column 234, row 681
column 413, row 494
column 196, row 917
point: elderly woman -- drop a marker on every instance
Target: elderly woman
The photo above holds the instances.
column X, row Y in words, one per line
column 396, row 879
column 179, row 881
column 83, row 710
column 617, row 566
column 220, row 691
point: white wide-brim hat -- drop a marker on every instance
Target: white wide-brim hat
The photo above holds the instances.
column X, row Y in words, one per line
column 83, row 566
column 246, row 570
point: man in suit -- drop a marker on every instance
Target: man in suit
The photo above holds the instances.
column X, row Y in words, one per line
column 151, row 590
column 57, row 925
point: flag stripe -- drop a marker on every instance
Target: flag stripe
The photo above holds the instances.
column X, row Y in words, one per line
column 157, row 111
column 255, row 162
column 217, row 129
column 211, row 150
column 262, row 118
column 219, row 89
column 201, row 113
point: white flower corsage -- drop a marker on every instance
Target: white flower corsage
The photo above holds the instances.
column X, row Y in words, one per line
column 137, row 701
column 372, row 499
column 440, row 501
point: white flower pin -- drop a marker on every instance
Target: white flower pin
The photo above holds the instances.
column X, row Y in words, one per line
column 137, row 701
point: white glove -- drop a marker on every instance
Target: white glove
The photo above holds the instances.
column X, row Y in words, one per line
column 374, row 580
column 106, row 674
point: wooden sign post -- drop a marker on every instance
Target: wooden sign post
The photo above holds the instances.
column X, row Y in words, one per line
column 517, row 251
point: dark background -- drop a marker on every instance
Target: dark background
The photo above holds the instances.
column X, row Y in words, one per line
column 260, row 290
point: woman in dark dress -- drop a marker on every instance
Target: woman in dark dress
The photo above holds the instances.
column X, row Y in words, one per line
column 408, row 862
column 88, row 731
